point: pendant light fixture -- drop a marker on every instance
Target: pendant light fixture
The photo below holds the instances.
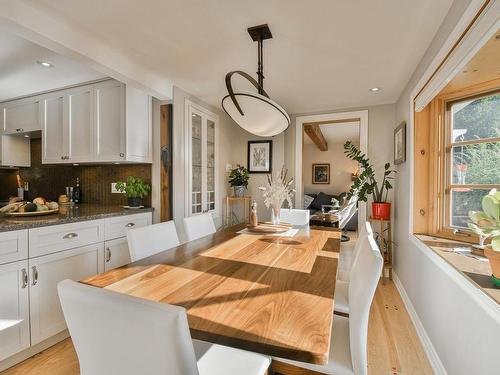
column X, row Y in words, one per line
column 255, row 111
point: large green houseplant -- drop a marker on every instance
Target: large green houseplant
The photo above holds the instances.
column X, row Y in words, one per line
column 366, row 183
column 238, row 179
column 486, row 224
column 135, row 189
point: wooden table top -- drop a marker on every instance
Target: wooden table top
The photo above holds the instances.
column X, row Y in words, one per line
column 271, row 295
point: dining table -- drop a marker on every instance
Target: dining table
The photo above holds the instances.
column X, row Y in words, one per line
column 264, row 293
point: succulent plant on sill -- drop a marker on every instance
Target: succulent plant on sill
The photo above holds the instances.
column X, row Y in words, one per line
column 486, row 224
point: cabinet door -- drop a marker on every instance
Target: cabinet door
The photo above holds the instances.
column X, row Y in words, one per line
column 53, row 132
column 46, row 272
column 110, row 121
column 80, row 122
column 116, row 254
column 22, row 115
column 14, row 313
column 138, row 125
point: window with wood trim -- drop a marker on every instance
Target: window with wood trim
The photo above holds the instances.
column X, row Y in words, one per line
column 472, row 155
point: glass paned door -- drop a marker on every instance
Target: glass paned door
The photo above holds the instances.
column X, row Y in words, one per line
column 202, row 175
column 196, row 164
column 210, row 202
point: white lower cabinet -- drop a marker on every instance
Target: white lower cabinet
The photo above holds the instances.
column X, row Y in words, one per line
column 14, row 308
column 46, row 272
column 116, row 254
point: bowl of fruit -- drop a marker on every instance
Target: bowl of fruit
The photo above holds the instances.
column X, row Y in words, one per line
column 39, row 206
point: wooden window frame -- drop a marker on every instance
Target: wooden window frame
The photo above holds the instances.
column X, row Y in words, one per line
column 432, row 153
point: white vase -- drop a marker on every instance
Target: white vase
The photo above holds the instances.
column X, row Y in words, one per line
column 275, row 214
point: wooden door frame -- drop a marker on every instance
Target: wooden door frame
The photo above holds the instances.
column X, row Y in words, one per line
column 166, row 113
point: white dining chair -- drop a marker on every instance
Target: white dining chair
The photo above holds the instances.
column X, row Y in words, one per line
column 198, row 226
column 115, row 333
column 294, row 216
column 348, row 345
column 152, row 239
column 345, row 214
column 341, row 296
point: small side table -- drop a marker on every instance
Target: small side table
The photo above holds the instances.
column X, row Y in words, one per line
column 230, row 203
column 384, row 229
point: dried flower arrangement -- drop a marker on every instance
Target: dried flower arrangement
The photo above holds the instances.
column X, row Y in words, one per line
column 278, row 190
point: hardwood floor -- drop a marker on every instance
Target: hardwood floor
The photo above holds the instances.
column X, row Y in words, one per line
column 393, row 344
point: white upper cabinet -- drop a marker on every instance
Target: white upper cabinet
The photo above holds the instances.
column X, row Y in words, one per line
column 20, row 116
column 80, row 123
column 110, row 121
column 106, row 122
column 53, row 130
column 14, row 151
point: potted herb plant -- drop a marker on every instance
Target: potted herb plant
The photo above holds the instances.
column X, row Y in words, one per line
column 238, row 179
column 486, row 223
column 135, row 189
column 365, row 183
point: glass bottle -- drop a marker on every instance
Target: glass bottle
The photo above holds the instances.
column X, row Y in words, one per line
column 253, row 215
column 77, row 192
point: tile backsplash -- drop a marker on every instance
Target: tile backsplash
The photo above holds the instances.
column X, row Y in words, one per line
column 49, row 181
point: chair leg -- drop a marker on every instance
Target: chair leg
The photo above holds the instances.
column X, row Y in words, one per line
column 344, row 237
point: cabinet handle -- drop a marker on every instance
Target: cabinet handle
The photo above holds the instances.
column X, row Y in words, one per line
column 62, row 157
column 19, row 130
column 122, row 154
column 108, row 254
column 129, row 225
column 35, row 275
column 25, row 277
column 70, row 235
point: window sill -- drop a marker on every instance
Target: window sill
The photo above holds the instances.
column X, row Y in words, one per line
column 474, row 269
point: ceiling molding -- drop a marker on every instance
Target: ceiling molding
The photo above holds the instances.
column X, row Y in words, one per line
column 314, row 132
column 74, row 42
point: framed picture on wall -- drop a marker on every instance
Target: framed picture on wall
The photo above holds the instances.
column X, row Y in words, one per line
column 321, row 173
column 400, row 143
column 260, row 156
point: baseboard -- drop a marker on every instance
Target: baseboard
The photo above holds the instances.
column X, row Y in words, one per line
column 431, row 353
column 32, row 350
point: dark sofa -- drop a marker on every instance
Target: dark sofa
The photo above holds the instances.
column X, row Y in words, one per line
column 326, row 199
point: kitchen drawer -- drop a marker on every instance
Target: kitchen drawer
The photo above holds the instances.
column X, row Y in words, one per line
column 116, row 227
column 13, row 246
column 47, row 240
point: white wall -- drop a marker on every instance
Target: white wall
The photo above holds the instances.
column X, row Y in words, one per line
column 341, row 167
column 462, row 326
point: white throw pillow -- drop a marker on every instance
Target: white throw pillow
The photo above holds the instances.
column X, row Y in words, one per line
column 307, row 201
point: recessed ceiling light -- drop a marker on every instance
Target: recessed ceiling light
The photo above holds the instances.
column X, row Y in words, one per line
column 375, row 89
column 45, row 64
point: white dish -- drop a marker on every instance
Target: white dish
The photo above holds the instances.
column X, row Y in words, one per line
column 133, row 208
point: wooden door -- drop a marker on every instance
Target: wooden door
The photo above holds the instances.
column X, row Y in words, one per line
column 46, row 272
column 166, row 161
column 14, row 312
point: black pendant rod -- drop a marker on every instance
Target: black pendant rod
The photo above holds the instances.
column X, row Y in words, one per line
column 260, row 66
column 259, row 34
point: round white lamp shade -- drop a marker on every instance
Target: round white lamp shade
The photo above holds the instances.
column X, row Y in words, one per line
column 261, row 116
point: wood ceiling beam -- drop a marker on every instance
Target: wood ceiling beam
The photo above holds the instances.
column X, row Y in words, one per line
column 314, row 132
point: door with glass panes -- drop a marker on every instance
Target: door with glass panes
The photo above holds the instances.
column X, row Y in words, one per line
column 202, row 150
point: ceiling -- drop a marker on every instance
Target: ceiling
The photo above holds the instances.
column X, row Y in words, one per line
column 338, row 133
column 324, row 55
column 20, row 74
column 483, row 67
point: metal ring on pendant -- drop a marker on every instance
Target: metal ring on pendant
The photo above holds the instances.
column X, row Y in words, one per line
column 250, row 79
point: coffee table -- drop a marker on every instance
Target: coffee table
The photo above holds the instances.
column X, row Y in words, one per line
column 320, row 220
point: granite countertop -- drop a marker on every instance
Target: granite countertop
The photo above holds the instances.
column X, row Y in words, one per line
column 475, row 268
column 81, row 212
